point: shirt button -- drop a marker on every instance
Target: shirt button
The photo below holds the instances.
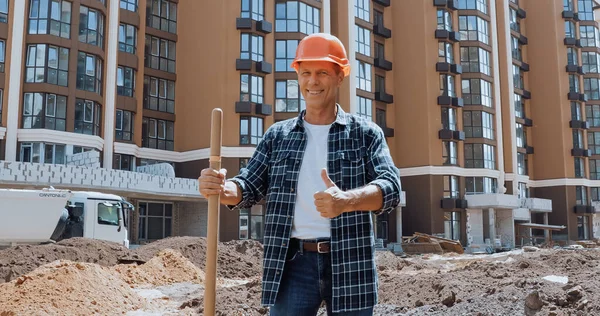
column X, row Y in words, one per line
column 292, row 189
column 283, row 244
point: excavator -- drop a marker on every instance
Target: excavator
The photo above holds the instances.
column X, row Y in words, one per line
column 50, row 215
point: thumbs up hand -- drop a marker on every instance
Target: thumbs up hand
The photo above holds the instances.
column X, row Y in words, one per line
column 333, row 201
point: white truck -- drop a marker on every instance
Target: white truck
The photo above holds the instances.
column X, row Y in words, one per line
column 51, row 215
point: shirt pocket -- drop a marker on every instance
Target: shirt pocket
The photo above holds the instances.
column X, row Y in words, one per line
column 352, row 167
column 278, row 167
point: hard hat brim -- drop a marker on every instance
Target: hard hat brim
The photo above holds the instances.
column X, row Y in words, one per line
column 345, row 67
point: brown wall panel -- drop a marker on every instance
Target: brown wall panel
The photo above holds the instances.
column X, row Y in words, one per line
column 417, row 215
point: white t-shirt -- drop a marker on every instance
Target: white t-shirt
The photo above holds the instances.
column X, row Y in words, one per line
column 308, row 222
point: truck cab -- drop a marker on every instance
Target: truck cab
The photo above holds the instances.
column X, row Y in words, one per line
column 98, row 216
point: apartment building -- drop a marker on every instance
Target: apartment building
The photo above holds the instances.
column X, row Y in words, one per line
column 487, row 105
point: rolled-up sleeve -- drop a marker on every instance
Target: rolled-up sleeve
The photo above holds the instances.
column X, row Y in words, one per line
column 381, row 169
column 253, row 180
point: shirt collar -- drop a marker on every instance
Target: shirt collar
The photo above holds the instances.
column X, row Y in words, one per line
column 341, row 118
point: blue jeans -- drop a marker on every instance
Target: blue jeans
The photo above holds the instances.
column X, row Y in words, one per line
column 305, row 284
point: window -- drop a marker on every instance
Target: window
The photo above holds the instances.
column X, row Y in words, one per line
column 581, row 195
column 574, row 83
column 594, row 142
column 515, row 46
column 576, row 111
column 363, row 40
column 523, row 190
column 452, row 225
column 251, row 130
column 160, row 54
column 158, row 134
column 522, row 164
column 594, row 171
column 254, row 9
column 251, row 224
column 590, row 61
column 378, row 18
column 124, row 125
column 362, row 10
column 579, row 168
column 363, row 76
column 518, row 81
column 583, row 227
column 47, row 64
column 595, row 194
column 379, row 51
column 589, row 36
column 519, row 106
column 478, row 124
column 449, row 153
column 288, row 97
column 480, row 185
column 515, row 21
column 570, row 29
column 159, row 94
column 521, row 136
column 130, row 5
column 294, row 16
column 91, row 26
column 447, row 86
column 444, row 20
column 87, row 117
column 585, row 10
column 449, row 118
column 48, row 111
column 123, row 162
column 577, row 139
column 155, row 220
column 125, row 81
column 3, row 11
column 572, row 58
column 473, row 28
column 451, row 189
column 50, row 17
column 568, row 5
column 108, row 215
column 479, row 5
column 446, row 53
column 480, row 156
column 285, row 54
column 475, row 59
column 2, row 53
column 162, row 15
column 43, row 153
column 592, row 115
column 379, row 84
column 251, row 88
column 1, row 98
column 252, row 47
column 365, row 107
column 127, row 38
column 380, row 118
column 477, row 91
column 244, row 163
column 590, row 87
column 89, row 73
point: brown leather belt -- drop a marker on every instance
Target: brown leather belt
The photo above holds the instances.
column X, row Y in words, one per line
column 313, row 246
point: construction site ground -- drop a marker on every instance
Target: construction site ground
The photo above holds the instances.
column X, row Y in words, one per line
column 90, row 277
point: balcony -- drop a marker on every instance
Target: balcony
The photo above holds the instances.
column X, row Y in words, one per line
column 264, row 67
column 385, row 3
column 570, row 15
column 447, row 67
column 578, row 124
column 521, row 13
column 528, row 122
column 580, row 152
column 384, row 97
column 382, row 31
column 522, row 214
column 524, row 66
column 523, row 40
column 585, row 209
column 575, row 96
column 452, row 203
column 529, row 150
column 245, row 107
column 248, row 24
column 493, row 200
column 537, row 204
column 264, row 27
column 444, row 34
column 243, row 23
column 453, row 101
column 526, row 94
column 243, row 64
column 575, row 69
column 571, row 41
column 264, row 109
column 383, row 64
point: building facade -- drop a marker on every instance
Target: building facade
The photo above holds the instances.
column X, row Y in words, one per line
column 489, row 106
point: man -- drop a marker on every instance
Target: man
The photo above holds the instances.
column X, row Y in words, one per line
column 321, row 174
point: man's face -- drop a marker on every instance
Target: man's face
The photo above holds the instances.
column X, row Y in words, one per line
column 319, row 82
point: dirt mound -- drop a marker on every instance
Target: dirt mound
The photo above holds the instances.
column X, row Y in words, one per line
column 19, row 260
column 236, row 259
column 167, row 267
column 68, row 287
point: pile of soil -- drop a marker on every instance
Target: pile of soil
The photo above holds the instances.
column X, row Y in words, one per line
column 66, row 287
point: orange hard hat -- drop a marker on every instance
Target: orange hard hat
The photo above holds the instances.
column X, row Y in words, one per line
column 322, row 47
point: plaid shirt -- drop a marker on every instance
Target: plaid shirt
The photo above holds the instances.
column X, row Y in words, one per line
column 357, row 155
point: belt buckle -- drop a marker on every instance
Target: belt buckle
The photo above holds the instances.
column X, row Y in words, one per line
column 319, row 246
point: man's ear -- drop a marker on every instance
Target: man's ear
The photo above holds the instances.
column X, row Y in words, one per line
column 340, row 75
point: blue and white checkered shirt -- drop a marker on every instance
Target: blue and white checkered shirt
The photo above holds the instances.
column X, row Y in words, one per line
column 358, row 155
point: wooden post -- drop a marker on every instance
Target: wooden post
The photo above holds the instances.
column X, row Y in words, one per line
column 213, row 216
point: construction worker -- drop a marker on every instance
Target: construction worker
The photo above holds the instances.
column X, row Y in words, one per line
column 322, row 174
